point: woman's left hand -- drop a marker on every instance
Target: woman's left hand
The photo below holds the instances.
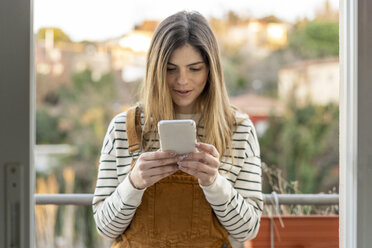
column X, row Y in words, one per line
column 202, row 164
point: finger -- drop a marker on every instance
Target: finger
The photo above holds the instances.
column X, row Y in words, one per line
column 197, row 166
column 146, row 165
column 147, row 178
column 208, row 148
column 160, row 170
column 204, row 157
column 198, row 174
column 150, row 156
column 157, row 178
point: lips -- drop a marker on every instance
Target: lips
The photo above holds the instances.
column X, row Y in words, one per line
column 182, row 92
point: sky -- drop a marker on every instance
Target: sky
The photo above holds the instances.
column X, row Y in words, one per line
column 99, row 20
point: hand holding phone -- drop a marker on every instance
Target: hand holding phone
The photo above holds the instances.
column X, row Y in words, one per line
column 177, row 135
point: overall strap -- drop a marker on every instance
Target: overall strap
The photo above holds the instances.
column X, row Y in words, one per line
column 134, row 136
column 134, row 129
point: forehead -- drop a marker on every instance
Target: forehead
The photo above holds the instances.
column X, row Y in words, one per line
column 185, row 55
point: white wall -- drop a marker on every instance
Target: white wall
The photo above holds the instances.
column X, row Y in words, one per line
column 317, row 80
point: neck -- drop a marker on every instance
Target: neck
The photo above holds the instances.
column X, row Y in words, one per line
column 189, row 110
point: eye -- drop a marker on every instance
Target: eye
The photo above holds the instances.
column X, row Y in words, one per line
column 195, row 68
column 171, row 69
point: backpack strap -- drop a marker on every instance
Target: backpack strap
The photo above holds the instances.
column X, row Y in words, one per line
column 134, row 129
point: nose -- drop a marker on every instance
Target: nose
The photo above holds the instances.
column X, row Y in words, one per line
column 182, row 77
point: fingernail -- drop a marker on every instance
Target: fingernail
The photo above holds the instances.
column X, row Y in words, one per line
column 172, row 154
column 182, row 157
column 179, row 163
column 197, row 144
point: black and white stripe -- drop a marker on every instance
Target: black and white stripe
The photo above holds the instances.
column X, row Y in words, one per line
column 238, row 207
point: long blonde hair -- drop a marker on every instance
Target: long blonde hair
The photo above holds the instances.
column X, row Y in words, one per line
column 217, row 116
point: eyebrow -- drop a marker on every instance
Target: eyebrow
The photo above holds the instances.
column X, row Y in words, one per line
column 196, row 63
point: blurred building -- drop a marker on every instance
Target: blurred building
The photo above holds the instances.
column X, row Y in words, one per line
column 259, row 109
column 125, row 57
column 129, row 51
column 48, row 157
column 128, row 55
column 311, row 80
column 56, row 63
column 257, row 37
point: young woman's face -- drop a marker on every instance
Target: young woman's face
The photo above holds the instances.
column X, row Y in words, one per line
column 187, row 75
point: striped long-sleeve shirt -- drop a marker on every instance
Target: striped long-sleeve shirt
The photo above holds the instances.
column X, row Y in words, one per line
column 235, row 196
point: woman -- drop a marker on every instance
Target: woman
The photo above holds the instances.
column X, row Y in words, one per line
column 192, row 200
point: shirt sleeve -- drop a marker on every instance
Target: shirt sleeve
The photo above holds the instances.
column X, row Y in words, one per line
column 114, row 201
column 238, row 205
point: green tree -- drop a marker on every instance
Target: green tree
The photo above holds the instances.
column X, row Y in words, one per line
column 47, row 130
column 86, row 105
column 58, row 34
column 236, row 80
column 316, row 39
column 303, row 143
column 80, row 118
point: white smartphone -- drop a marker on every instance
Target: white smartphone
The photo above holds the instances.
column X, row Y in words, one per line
column 177, row 135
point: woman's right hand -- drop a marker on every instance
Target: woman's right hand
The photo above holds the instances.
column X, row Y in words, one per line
column 151, row 167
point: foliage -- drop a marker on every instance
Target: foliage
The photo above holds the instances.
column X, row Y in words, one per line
column 58, row 35
column 236, row 81
column 86, row 111
column 80, row 117
column 317, row 39
column 47, row 131
column 303, row 143
column 280, row 185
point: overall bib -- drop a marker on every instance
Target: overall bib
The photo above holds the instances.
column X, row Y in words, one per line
column 174, row 213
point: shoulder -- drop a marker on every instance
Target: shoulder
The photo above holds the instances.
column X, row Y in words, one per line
column 118, row 121
column 121, row 118
column 243, row 121
column 241, row 118
column 246, row 132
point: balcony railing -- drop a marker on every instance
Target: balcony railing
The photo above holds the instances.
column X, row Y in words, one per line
column 307, row 231
column 269, row 199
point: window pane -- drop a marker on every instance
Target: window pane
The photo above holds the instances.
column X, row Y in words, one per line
column 280, row 66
